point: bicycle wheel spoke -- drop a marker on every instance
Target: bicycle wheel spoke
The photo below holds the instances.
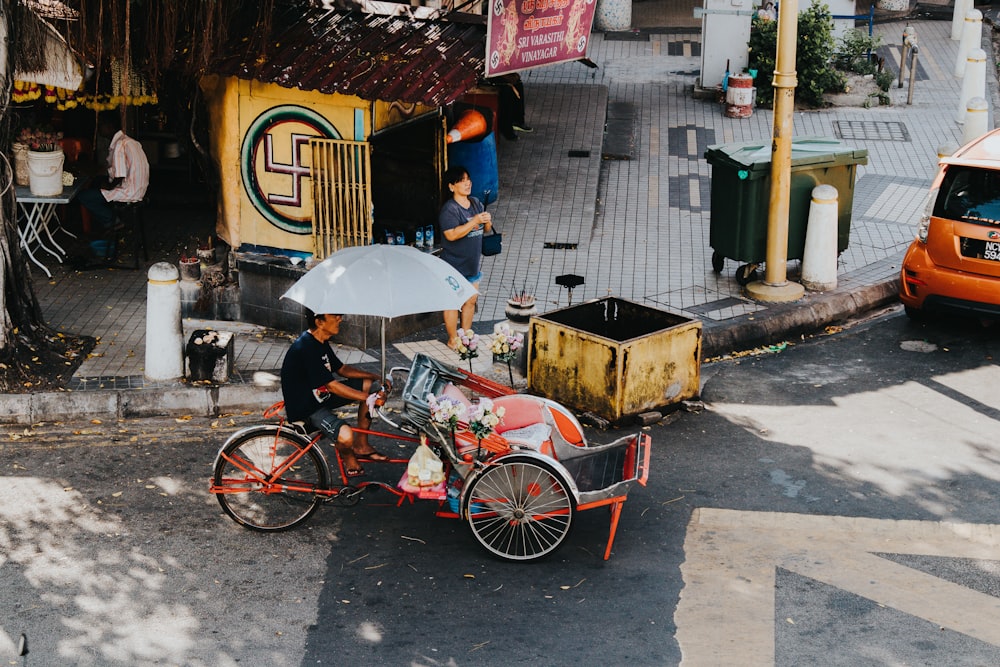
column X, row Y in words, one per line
column 519, row 510
column 269, row 479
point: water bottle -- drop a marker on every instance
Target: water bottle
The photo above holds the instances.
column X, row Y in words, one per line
column 419, row 236
column 400, row 238
column 429, row 236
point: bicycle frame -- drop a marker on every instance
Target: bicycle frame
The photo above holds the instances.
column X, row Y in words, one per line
column 261, row 477
column 308, row 442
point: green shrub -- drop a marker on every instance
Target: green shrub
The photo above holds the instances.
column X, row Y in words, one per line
column 852, row 52
column 813, row 59
column 884, row 80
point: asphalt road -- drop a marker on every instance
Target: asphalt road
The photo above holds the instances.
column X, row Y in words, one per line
column 758, row 528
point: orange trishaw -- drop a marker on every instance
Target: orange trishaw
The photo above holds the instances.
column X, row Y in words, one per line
column 518, row 488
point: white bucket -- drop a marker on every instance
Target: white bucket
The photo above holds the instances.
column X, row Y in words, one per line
column 45, row 168
column 21, row 174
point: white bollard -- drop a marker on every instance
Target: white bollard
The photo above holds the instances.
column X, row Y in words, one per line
column 962, row 8
column 945, row 150
column 819, row 257
column 164, row 335
column 976, row 118
column 972, row 37
column 973, row 81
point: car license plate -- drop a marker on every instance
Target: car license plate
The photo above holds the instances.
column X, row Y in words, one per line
column 980, row 249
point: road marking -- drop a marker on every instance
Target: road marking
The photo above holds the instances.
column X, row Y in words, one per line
column 726, row 611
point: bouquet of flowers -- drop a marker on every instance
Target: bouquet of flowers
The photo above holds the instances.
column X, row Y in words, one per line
column 40, row 140
column 468, row 341
column 506, row 343
column 484, row 418
column 445, row 411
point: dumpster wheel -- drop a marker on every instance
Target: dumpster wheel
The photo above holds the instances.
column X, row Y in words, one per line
column 746, row 274
column 718, row 261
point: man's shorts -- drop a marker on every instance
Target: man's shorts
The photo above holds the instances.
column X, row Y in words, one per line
column 325, row 418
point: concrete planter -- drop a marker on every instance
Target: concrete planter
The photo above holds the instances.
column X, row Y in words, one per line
column 614, row 357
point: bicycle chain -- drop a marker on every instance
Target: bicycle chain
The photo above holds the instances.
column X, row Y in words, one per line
column 348, row 496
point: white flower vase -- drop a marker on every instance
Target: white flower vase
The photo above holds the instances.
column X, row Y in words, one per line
column 45, row 169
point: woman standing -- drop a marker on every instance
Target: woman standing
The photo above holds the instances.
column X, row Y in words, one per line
column 463, row 220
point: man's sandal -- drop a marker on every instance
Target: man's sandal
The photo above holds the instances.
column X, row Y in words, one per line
column 354, row 472
column 373, row 455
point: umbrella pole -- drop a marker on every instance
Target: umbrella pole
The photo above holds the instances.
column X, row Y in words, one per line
column 383, row 350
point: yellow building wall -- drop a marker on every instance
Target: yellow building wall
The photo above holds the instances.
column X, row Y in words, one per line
column 260, row 136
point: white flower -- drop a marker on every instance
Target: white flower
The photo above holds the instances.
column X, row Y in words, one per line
column 505, row 343
column 445, row 410
column 468, row 341
column 483, row 418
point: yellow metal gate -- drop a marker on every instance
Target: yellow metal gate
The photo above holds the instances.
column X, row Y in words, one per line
column 342, row 197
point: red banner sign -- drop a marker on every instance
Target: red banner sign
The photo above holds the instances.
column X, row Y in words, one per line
column 522, row 34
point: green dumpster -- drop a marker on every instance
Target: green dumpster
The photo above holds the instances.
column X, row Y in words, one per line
column 741, row 193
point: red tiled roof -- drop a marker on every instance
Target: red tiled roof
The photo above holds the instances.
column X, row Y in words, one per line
column 372, row 56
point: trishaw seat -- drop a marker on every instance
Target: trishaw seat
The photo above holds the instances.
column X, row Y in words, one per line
column 536, row 436
column 519, row 411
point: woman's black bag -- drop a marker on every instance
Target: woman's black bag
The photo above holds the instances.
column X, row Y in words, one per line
column 492, row 243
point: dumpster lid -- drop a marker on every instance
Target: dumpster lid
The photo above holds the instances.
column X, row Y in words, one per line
column 756, row 156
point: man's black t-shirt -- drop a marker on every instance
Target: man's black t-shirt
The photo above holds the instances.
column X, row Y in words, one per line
column 308, row 366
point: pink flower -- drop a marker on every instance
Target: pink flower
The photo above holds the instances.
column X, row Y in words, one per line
column 40, row 140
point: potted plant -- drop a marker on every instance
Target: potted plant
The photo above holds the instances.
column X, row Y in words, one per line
column 45, row 160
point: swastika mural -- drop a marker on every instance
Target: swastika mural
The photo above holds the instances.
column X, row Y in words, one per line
column 274, row 163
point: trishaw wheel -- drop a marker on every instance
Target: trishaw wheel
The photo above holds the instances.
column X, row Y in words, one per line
column 519, row 508
column 248, row 489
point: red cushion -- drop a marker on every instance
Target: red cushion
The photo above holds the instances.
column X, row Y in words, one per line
column 520, row 411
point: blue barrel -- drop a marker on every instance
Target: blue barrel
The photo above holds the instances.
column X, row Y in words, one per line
column 480, row 159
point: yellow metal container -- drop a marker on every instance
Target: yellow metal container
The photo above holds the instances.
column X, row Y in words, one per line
column 614, row 357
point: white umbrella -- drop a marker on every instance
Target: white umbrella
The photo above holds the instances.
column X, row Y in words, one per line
column 382, row 281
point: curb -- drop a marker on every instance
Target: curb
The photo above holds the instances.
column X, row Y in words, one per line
column 789, row 320
column 201, row 401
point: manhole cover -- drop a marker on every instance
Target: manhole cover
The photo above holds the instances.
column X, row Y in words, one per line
column 870, row 130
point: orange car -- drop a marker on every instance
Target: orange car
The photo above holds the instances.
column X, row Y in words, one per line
column 953, row 265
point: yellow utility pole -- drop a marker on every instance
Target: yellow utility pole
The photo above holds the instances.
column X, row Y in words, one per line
column 775, row 288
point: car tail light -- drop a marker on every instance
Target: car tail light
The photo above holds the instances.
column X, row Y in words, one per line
column 925, row 219
column 911, row 282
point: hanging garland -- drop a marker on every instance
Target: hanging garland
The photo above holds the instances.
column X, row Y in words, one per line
column 28, row 91
column 127, row 86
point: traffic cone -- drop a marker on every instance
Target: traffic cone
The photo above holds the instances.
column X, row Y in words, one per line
column 470, row 125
